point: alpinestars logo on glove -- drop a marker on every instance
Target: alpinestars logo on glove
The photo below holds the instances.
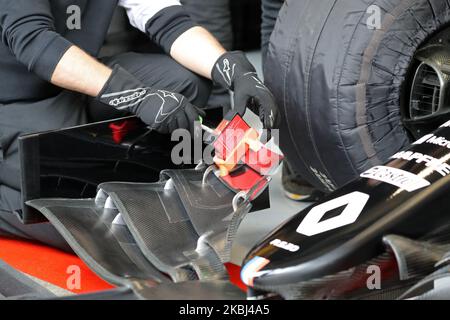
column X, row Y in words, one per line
column 227, row 72
column 136, row 96
column 126, row 99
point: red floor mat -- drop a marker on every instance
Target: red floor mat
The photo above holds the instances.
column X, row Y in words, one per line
column 53, row 266
column 50, row 265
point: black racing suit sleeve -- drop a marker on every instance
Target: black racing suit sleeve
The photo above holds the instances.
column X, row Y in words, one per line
column 167, row 25
column 27, row 28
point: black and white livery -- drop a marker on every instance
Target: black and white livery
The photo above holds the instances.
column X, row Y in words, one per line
column 326, row 246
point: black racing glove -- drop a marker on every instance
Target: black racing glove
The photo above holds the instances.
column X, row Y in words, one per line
column 234, row 72
column 162, row 110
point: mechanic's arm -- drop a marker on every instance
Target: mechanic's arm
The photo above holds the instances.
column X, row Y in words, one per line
column 199, row 51
column 163, row 111
column 27, row 28
column 78, row 71
column 170, row 26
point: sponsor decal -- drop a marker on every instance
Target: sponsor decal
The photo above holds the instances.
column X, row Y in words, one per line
column 430, row 162
column 423, row 139
column 285, row 245
column 432, row 139
column 399, row 178
column 313, row 224
column 446, row 125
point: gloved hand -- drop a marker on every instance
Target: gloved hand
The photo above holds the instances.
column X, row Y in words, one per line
column 234, row 72
column 162, row 110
